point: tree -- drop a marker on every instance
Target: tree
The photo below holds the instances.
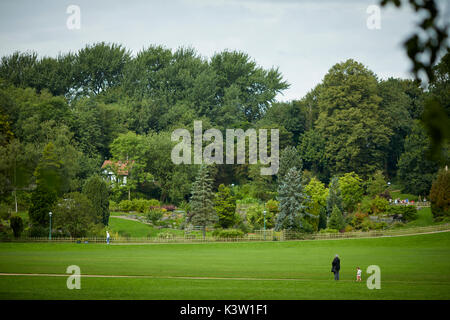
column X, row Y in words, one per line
column 42, row 200
column 350, row 119
column 74, row 214
column 254, row 87
column 352, row 191
column 96, row 191
column 289, row 158
column 225, row 206
column 318, row 199
column 16, row 224
column 334, row 196
column 202, row 206
column 440, row 196
column 293, row 202
column 336, row 220
column 312, row 152
column 322, row 219
column 415, row 171
column 376, row 184
column 99, row 67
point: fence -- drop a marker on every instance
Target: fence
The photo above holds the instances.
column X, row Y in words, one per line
column 260, row 235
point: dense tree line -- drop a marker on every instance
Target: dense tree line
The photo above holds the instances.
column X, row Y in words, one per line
column 61, row 117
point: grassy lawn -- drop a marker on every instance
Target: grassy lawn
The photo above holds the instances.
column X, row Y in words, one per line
column 412, row 267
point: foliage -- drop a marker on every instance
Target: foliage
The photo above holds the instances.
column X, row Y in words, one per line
column 202, row 207
column 440, row 196
column 336, row 220
column 75, row 214
column 42, row 200
column 408, row 213
column 415, row 171
column 334, row 196
column 351, row 120
column 376, row 184
column 293, row 202
column 228, row 233
column 97, row 192
column 350, row 185
column 16, row 224
column 318, row 199
column 225, row 206
column 154, row 215
column 289, row 158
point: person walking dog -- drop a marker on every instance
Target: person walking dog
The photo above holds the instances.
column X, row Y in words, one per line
column 335, row 267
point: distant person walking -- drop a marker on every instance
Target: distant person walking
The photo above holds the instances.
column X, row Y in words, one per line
column 335, row 267
column 107, row 237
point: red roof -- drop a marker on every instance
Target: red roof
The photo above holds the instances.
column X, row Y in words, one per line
column 121, row 167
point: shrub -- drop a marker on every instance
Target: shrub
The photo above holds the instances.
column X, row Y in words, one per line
column 336, row 220
column 440, row 196
column 169, row 207
column 348, row 229
column 367, row 225
column 16, row 224
column 154, row 215
column 408, row 213
column 358, row 219
column 126, row 205
column 113, row 206
column 228, row 233
column 153, row 203
column 379, row 205
column 165, row 235
column 381, row 225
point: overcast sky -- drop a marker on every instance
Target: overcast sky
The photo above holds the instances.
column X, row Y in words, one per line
column 303, row 38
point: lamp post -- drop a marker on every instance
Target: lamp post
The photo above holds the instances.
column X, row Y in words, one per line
column 50, row 231
column 264, row 224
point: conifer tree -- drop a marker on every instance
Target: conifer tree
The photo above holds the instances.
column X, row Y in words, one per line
column 334, row 196
column 202, row 206
column 293, row 201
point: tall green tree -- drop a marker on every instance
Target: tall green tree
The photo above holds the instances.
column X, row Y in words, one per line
column 293, row 202
column 202, row 200
column 334, row 196
column 351, row 120
column 97, row 192
column 336, row 220
column 225, row 206
column 440, row 196
column 415, row 171
column 352, row 191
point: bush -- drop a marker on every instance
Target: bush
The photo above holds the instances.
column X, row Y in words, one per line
column 379, row 205
column 228, row 233
column 367, row 225
column 16, row 224
column 169, row 207
column 113, row 206
column 440, row 196
column 348, row 229
column 126, row 205
column 358, row 219
column 154, row 215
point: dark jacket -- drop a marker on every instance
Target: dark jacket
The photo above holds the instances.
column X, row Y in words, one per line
column 336, row 265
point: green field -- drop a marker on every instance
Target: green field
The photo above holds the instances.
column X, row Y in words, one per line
column 412, row 267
